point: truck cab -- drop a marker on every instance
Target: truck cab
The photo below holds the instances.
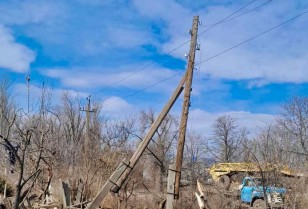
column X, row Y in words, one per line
column 252, row 192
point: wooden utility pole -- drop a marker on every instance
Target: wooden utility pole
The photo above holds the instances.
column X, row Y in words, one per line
column 185, row 108
column 88, row 111
column 28, row 90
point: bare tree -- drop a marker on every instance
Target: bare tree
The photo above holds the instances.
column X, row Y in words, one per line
column 160, row 153
column 71, row 138
column 195, row 154
column 294, row 119
column 7, row 105
column 115, row 133
column 24, row 139
column 227, row 138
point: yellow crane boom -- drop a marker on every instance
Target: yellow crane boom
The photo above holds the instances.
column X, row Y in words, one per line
column 222, row 172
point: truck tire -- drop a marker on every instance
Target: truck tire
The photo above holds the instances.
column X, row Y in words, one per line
column 259, row 204
column 224, row 181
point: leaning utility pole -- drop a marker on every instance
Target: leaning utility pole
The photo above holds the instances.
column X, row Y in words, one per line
column 185, row 108
column 119, row 176
column 124, row 169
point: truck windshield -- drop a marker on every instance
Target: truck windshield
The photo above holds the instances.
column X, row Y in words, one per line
column 258, row 181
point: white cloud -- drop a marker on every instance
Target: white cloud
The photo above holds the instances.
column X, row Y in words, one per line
column 117, row 107
column 172, row 12
column 279, row 56
column 14, row 56
column 53, row 95
column 276, row 57
column 17, row 12
column 177, row 21
column 66, row 30
column 243, row 64
column 114, row 107
column 94, row 78
column 201, row 121
column 128, row 37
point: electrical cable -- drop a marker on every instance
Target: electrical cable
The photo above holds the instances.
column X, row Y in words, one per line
column 176, row 48
column 196, row 99
column 251, row 10
column 143, row 89
column 224, row 19
column 256, row 36
column 138, row 70
column 212, row 57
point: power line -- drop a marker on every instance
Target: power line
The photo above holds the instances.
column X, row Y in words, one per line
column 256, row 36
column 244, row 13
column 224, row 19
column 138, row 70
column 251, row 10
column 176, row 48
column 214, row 56
column 141, row 90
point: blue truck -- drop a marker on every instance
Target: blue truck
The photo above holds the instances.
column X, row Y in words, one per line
column 254, row 193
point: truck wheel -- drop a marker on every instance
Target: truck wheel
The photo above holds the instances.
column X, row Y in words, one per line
column 259, row 204
column 225, row 181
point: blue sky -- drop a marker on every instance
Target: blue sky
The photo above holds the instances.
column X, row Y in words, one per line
column 86, row 47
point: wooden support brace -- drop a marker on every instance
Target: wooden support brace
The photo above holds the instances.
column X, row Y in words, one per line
column 109, row 184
